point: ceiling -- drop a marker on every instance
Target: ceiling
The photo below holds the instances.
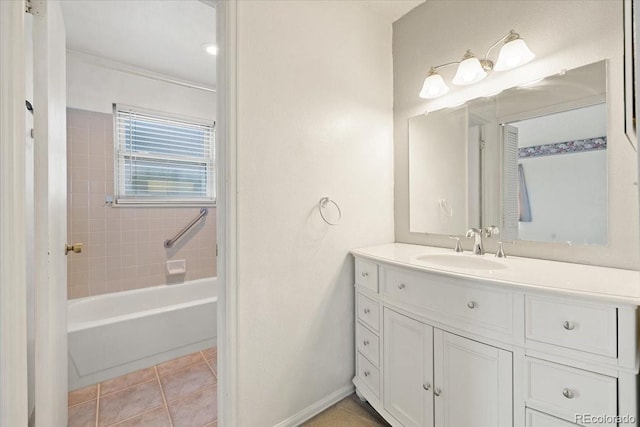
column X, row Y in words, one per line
column 161, row 36
column 392, row 10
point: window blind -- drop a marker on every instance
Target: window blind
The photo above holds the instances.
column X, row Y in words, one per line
column 510, row 209
column 161, row 159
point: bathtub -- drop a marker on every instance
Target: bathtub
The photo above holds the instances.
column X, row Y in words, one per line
column 114, row 334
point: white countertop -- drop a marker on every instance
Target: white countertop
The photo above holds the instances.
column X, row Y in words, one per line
column 601, row 283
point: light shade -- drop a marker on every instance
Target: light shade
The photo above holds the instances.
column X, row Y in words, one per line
column 514, row 53
column 434, row 86
column 469, row 71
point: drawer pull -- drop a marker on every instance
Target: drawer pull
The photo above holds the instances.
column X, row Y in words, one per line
column 426, row 386
column 401, row 286
column 367, row 373
column 365, row 274
column 568, row 393
column 472, row 305
column 568, row 325
column 437, row 391
column 365, row 342
column 366, row 310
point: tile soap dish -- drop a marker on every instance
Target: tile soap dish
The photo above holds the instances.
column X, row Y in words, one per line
column 175, row 267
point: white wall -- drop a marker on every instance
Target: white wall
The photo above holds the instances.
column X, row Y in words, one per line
column 564, row 35
column 568, row 198
column 94, row 85
column 581, row 123
column 314, row 119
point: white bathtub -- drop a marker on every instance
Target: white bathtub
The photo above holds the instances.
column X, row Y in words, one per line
column 114, row 334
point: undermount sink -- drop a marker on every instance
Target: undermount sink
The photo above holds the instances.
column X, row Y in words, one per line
column 471, row 262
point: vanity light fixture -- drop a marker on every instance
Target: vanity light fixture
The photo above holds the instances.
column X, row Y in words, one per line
column 513, row 53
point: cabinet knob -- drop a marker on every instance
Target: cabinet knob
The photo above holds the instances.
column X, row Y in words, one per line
column 426, row 386
column 568, row 393
column 568, row 325
column 367, row 373
column 365, row 342
column 365, row 274
column 437, row 391
column 366, row 310
column 401, row 286
column 472, row 305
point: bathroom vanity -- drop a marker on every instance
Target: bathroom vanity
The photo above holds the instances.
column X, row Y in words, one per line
column 451, row 339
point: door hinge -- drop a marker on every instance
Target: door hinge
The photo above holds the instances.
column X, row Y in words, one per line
column 27, row 6
column 216, row 250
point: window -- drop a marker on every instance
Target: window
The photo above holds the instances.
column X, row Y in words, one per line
column 162, row 159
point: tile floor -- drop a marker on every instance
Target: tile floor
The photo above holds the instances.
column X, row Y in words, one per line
column 349, row 412
column 177, row 393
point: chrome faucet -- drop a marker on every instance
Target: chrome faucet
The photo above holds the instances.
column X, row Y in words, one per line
column 478, row 234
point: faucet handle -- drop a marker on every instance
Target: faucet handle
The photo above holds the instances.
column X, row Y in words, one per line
column 500, row 252
column 473, row 231
column 491, row 231
column 458, row 247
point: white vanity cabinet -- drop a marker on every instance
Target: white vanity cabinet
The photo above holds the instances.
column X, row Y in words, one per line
column 434, row 378
column 450, row 350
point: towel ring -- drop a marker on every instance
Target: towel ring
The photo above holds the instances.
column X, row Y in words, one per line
column 323, row 204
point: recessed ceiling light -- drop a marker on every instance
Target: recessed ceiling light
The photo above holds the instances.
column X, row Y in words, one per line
column 210, row 48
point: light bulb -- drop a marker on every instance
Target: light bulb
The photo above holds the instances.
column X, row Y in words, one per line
column 210, row 48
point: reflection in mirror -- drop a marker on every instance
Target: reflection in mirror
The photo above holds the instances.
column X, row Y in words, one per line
column 559, row 165
column 532, row 159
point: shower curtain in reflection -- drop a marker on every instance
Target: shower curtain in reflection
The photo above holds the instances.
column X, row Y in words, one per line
column 523, row 196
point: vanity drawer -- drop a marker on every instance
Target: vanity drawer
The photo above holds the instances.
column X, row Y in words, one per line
column 368, row 311
column 567, row 391
column 581, row 326
column 369, row 374
column 367, row 274
column 538, row 419
column 368, row 344
column 477, row 305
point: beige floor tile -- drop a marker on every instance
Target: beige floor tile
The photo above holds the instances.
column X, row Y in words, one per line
column 199, row 409
column 156, row 418
column 125, row 381
column 179, row 363
column 83, row 415
column 129, row 402
column 210, row 353
column 83, row 394
column 187, row 381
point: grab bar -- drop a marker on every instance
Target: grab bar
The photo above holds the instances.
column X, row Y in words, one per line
column 169, row 243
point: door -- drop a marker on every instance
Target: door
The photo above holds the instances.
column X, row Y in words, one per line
column 473, row 383
column 408, row 370
column 50, row 184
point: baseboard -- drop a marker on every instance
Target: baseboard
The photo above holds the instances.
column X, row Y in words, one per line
column 313, row 410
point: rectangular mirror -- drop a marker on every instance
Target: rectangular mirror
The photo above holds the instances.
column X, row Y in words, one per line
column 531, row 160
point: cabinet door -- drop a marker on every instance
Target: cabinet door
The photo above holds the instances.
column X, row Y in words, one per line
column 408, row 370
column 473, row 383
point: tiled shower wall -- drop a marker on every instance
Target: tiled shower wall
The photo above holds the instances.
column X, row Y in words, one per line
column 123, row 246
